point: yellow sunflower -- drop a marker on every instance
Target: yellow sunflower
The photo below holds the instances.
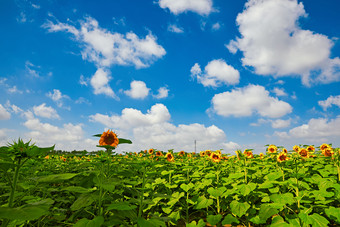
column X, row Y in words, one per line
column 159, row 153
column 169, row 157
column 296, row 148
column 215, row 157
column 304, row 153
column 282, row 157
column 181, row 153
column 272, row 149
column 109, row 138
column 328, row 152
column 151, row 151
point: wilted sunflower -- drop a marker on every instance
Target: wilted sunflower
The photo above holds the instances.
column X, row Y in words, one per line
column 169, row 157
column 215, row 157
column 272, row 149
column 109, row 138
column 304, row 153
column 282, row 157
column 296, row 148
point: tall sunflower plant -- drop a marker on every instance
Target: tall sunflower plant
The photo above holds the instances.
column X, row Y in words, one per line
column 109, row 140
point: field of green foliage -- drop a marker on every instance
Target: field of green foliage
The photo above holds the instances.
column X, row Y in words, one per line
column 280, row 187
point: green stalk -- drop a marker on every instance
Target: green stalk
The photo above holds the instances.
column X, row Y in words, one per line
column 140, row 209
column 100, row 209
column 297, row 184
column 245, row 171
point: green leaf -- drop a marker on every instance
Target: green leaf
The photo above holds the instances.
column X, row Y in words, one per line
column 216, row 192
column 239, row 209
column 84, row 222
column 200, row 223
column 39, row 151
column 150, row 222
column 6, row 166
column 187, row 187
column 83, row 200
column 245, row 189
column 314, row 219
column 230, row 219
column 121, row 206
column 55, row 177
column 266, row 211
column 78, row 189
column 214, row 219
column 286, row 198
column 98, row 135
column 121, row 140
column 204, row 202
column 278, row 221
column 333, row 213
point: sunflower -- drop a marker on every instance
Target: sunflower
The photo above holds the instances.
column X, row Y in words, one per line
column 310, row 148
column 151, row 151
column 140, row 154
column 159, row 153
column 248, row 153
column 296, row 148
column 285, row 150
column 202, row 153
column 109, row 138
column 181, row 153
column 261, row 155
column 282, row 157
column 169, row 157
column 272, row 149
column 328, row 152
column 215, row 157
column 208, row 152
column 324, row 146
column 47, row 157
column 304, row 153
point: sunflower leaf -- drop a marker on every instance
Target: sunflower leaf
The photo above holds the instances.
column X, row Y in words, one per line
column 121, row 140
column 98, row 135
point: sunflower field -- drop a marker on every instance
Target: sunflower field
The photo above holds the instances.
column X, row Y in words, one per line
column 279, row 187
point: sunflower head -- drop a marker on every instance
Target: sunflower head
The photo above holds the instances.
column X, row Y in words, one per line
column 261, row 155
column 181, row 153
column 282, row 157
column 310, row 148
column 169, row 157
column 202, row 153
column 109, row 138
column 215, row 157
column 296, row 148
column 328, row 152
column 284, row 150
column 303, row 153
column 324, row 146
column 159, row 153
column 151, row 151
column 272, row 149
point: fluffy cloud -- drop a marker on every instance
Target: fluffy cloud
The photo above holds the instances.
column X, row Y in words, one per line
column 68, row 137
column 274, row 44
column 278, row 123
column 279, row 92
column 174, row 28
column 202, row 7
column 216, row 73
column 138, row 90
column 58, row 97
column 247, row 100
column 331, row 100
column 163, row 92
column 45, row 111
column 153, row 130
column 321, row 130
column 106, row 48
column 4, row 114
column 100, row 83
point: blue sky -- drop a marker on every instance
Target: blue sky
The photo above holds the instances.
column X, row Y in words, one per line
column 164, row 73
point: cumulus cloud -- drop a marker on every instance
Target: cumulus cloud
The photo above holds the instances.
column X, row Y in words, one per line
column 279, row 91
column 202, row 7
column 106, row 48
column 278, row 123
column 163, row 92
column 153, row 130
column 4, row 114
column 58, row 97
column 273, row 43
column 216, row 73
column 100, row 83
column 45, row 111
column 331, row 100
column 245, row 101
column 320, row 130
column 174, row 28
column 216, row 26
column 138, row 90
column 68, row 137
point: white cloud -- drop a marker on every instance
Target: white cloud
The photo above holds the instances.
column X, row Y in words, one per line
column 32, row 70
column 245, row 101
column 174, row 28
column 45, row 111
column 279, row 123
column 321, row 130
column 68, row 137
column 279, row 91
column 100, row 83
column 83, row 80
column 153, row 130
column 138, row 90
column 202, row 7
column 331, row 100
column 3, row 135
column 216, row 26
column 106, row 48
column 58, row 98
column 4, row 114
column 273, row 43
column 216, row 73
column 163, row 92
column 14, row 90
